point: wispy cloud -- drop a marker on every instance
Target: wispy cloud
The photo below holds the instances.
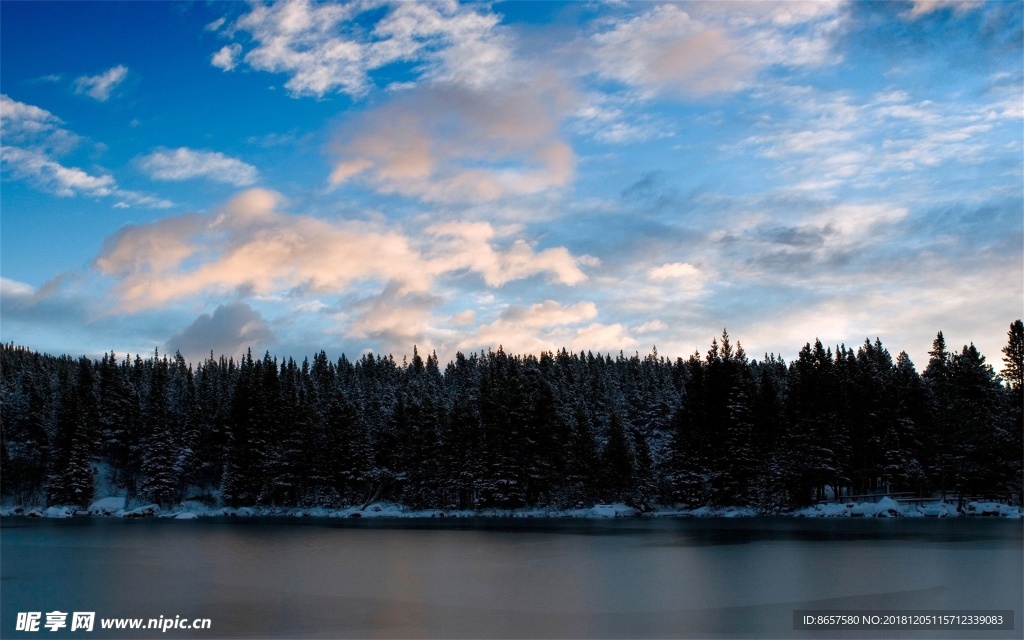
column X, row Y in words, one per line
column 55, row 177
column 921, row 8
column 29, row 125
column 666, row 49
column 36, row 135
column 547, row 326
column 100, row 86
column 184, row 164
column 460, row 145
column 701, row 49
column 827, row 140
column 323, row 50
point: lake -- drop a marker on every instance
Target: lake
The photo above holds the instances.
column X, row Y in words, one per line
column 506, row 578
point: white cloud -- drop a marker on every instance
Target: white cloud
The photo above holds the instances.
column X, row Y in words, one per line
column 29, row 125
column 37, row 136
column 227, row 57
column 824, row 140
column 547, row 326
column 20, row 118
column 323, row 50
column 550, row 313
column 469, row 246
column 55, row 177
column 651, row 327
column 605, row 338
column 674, row 270
column 100, row 86
column 184, row 163
column 15, row 289
column 614, row 119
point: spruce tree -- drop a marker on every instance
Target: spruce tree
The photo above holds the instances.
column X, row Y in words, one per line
column 159, row 482
column 1013, row 357
column 71, row 477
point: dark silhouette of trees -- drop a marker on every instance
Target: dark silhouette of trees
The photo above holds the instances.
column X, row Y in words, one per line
column 502, row 431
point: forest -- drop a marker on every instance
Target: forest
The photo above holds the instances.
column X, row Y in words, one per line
column 492, row 430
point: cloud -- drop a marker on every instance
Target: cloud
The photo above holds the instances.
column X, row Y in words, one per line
column 605, row 338
column 396, row 319
column 651, row 326
column 451, row 144
column 665, row 49
column 674, row 270
column 933, row 293
column 56, row 313
column 249, row 248
column 37, row 136
column 548, row 326
column 184, row 163
column 229, row 331
column 705, row 49
column 469, row 246
column 100, row 86
column 331, row 47
column 226, row 57
column 921, row 8
column 14, row 289
column 549, row 313
column 823, row 141
column 65, row 181
column 613, row 119
column 18, row 118
column 28, row 125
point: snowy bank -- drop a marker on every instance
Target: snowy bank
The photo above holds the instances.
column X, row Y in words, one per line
column 886, row 507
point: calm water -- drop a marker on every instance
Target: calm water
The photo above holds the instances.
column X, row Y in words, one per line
column 505, row 578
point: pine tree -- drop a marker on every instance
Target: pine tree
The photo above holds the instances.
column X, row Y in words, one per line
column 974, row 408
column 617, row 463
column 159, row 483
column 1013, row 373
column 70, row 480
column 1013, row 356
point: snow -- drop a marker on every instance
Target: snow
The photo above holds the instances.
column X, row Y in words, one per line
column 885, row 507
column 107, row 506
column 992, row 509
column 613, row 511
column 937, row 510
column 141, row 512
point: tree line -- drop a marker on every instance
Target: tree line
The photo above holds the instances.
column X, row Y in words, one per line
column 494, row 430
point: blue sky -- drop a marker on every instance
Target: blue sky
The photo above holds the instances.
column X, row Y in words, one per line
column 600, row 176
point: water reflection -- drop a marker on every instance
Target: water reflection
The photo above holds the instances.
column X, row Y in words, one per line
column 506, row 578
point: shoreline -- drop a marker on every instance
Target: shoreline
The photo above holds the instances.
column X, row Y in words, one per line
column 115, row 507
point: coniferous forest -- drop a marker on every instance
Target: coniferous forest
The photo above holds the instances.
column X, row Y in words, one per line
column 502, row 431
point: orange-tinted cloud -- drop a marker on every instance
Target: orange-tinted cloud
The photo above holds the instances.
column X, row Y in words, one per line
column 249, row 247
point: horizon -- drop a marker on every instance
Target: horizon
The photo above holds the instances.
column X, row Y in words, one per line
column 597, row 177
column 404, row 359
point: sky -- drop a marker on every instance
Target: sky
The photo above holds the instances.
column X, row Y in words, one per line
column 598, row 176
